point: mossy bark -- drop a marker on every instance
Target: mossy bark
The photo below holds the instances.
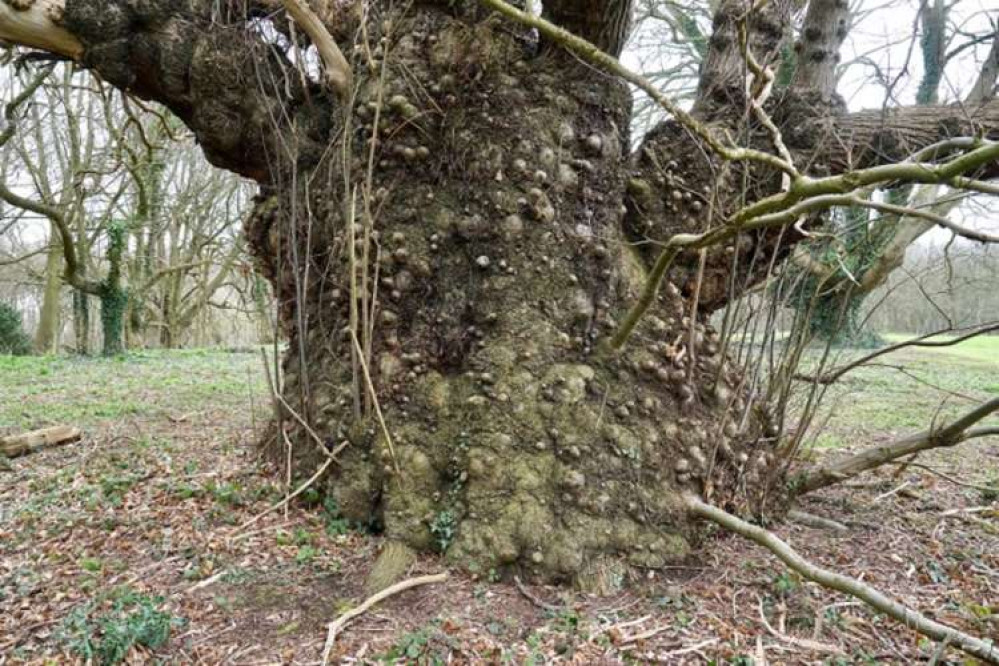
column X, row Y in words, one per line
column 496, row 265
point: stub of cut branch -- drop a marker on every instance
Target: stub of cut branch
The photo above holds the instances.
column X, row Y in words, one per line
column 337, row 68
column 987, row 651
column 35, row 24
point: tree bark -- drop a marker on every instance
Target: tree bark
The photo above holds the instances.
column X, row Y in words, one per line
column 47, row 335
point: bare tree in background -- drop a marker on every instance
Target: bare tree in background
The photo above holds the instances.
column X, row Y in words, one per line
column 124, row 201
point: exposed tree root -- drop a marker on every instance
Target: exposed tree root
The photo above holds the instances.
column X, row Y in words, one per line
column 984, row 650
column 30, row 442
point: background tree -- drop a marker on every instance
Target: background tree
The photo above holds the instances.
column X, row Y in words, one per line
column 91, row 160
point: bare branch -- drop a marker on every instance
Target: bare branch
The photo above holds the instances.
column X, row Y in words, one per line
column 985, row 650
column 956, row 432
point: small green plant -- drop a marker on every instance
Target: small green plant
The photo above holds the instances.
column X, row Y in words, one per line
column 91, row 564
column 113, row 488
column 230, row 494
column 13, row 339
column 428, row 645
column 106, row 638
column 990, row 493
column 785, row 584
column 336, row 524
column 443, row 528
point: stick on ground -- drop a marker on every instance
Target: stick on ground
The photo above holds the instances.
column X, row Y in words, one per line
column 14, row 446
column 339, row 623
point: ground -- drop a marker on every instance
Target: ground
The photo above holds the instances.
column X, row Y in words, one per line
column 133, row 544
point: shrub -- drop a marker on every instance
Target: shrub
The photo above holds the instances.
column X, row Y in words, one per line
column 13, row 339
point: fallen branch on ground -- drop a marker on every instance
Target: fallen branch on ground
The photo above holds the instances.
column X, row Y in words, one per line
column 818, row 522
column 15, row 446
column 535, row 600
column 984, row 650
column 341, row 622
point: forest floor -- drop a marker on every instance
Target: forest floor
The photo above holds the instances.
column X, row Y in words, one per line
column 133, row 538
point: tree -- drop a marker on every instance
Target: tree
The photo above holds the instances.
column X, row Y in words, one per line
column 13, row 339
column 468, row 257
column 129, row 198
column 859, row 252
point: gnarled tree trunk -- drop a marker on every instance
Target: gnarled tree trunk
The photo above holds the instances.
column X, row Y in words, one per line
column 453, row 243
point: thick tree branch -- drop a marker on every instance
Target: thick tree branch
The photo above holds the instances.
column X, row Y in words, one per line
column 337, row 68
column 806, row 195
column 593, row 55
column 604, row 23
column 817, row 50
column 983, row 649
column 956, row 432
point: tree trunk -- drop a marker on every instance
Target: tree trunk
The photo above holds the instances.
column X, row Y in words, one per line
column 449, row 252
column 81, row 322
column 47, row 335
column 489, row 260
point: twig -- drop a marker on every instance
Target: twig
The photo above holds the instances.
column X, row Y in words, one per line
column 970, row 509
column 645, row 635
column 819, row 522
column 341, row 622
column 806, row 643
column 939, row 652
column 535, row 600
column 893, row 491
column 692, row 648
column 374, row 398
column 297, row 492
column 206, row 582
column 947, row 477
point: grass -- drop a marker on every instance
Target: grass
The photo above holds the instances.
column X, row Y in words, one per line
column 85, row 392
column 907, row 391
column 982, row 349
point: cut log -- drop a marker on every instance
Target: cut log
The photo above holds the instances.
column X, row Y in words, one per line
column 14, row 446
